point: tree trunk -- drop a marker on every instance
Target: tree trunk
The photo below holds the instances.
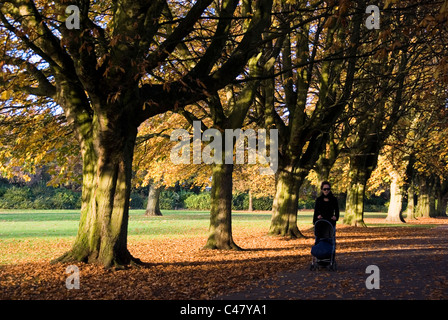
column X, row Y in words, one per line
column 394, row 214
column 323, row 167
column 220, row 236
column 422, row 205
column 426, row 199
column 251, row 207
column 432, row 200
column 442, row 204
column 107, row 170
column 354, row 208
column 286, row 205
column 442, row 198
column 152, row 207
column 410, row 209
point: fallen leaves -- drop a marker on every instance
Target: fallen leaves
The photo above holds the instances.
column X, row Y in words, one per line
column 179, row 269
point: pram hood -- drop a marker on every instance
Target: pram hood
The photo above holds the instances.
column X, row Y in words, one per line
column 323, row 229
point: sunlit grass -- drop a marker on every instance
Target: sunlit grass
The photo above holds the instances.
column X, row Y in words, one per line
column 30, row 235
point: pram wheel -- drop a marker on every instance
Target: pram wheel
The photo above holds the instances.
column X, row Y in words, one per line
column 312, row 267
column 333, row 267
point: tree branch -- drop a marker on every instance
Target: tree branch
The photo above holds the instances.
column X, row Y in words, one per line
column 46, row 44
column 45, row 88
column 182, row 30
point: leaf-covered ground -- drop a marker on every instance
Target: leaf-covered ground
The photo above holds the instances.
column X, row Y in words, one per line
column 412, row 262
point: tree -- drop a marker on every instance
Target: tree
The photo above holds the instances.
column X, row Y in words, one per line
column 25, row 146
column 384, row 96
column 398, row 159
column 226, row 114
column 153, row 207
column 317, row 64
column 390, row 83
column 430, row 165
column 122, row 66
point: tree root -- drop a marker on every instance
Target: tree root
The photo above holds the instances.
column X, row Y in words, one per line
column 291, row 233
column 211, row 245
column 117, row 263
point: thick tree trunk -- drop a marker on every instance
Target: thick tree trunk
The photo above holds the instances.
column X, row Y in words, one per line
column 443, row 199
column 442, row 204
column 323, row 167
column 354, row 208
column 394, row 214
column 220, row 236
column 422, row 209
column 286, row 205
column 107, row 170
column 153, row 207
column 426, row 199
column 432, row 201
column 410, row 209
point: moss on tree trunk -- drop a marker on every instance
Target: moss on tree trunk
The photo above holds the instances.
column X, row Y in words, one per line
column 286, row 205
column 354, row 208
column 220, row 232
column 107, row 169
column 426, row 202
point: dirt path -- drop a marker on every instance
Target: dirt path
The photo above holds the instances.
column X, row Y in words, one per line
column 409, row 269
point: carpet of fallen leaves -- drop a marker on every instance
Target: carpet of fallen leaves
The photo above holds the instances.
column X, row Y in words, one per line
column 180, row 269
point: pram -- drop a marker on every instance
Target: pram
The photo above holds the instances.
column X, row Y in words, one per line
column 324, row 248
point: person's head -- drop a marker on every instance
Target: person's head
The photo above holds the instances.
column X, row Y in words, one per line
column 325, row 187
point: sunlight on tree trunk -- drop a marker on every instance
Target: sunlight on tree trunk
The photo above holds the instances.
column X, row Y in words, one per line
column 394, row 213
column 285, row 206
column 107, row 171
column 410, row 209
column 220, row 236
column 354, row 208
column 153, row 205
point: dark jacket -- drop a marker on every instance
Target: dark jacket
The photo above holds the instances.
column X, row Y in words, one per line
column 326, row 209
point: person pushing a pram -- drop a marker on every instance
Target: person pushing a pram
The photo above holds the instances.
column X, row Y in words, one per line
column 326, row 213
column 326, row 206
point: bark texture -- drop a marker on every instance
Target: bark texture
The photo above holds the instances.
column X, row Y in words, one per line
column 153, row 206
column 220, row 232
column 285, row 206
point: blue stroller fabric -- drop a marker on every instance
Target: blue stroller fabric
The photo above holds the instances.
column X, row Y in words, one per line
column 323, row 249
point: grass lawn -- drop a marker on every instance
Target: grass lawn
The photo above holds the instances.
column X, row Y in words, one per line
column 176, row 268
column 31, row 235
column 27, row 224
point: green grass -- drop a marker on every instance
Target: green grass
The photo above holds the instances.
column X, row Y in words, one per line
column 27, row 224
column 22, row 224
column 51, row 224
column 30, row 235
column 15, row 224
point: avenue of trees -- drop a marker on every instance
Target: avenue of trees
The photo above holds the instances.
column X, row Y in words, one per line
column 96, row 104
